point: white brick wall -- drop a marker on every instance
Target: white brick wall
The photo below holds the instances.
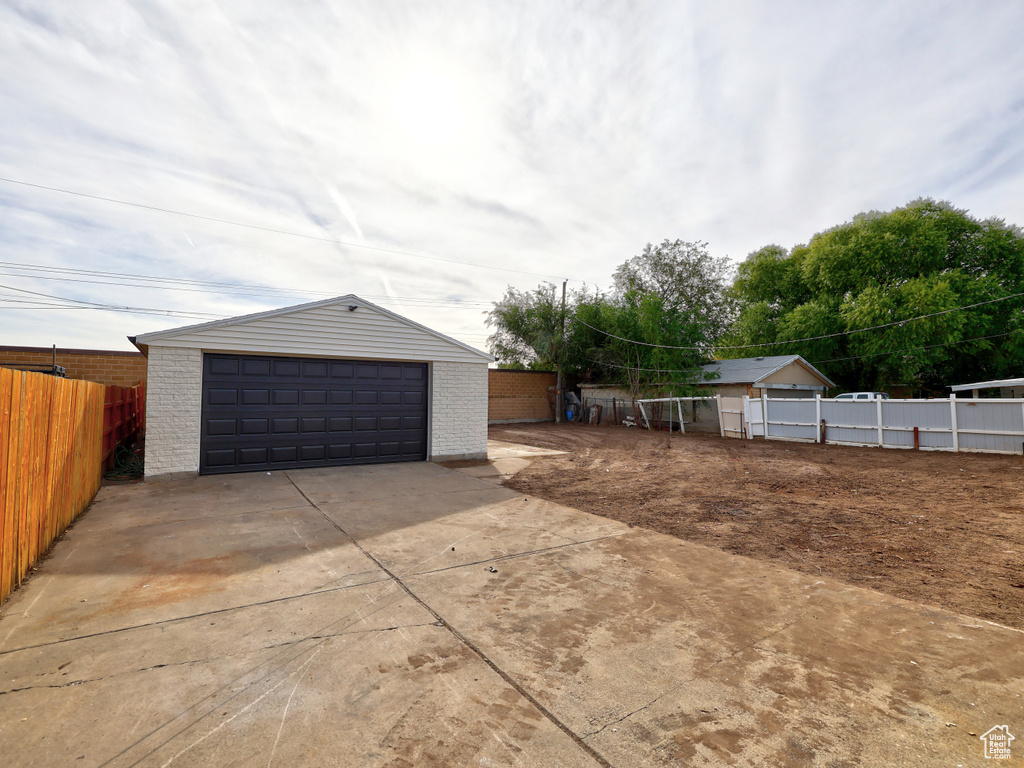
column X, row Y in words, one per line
column 458, row 425
column 173, row 405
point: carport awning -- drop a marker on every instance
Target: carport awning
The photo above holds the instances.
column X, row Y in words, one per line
column 988, row 384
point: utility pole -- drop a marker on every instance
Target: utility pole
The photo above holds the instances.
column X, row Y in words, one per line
column 559, row 401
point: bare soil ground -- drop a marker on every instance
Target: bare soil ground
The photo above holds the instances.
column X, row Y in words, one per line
column 939, row 528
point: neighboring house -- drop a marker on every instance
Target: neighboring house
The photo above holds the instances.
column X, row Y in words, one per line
column 1006, row 387
column 330, row 383
column 778, row 376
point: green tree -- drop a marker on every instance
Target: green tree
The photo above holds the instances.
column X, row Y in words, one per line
column 882, row 269
column 685, row 277
column 527, row 328
column 633, row 341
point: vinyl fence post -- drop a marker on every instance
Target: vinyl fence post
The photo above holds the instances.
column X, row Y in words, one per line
column 817, row 417
column 952, row 416
column 670, row 413
column 881, row 436
column 745, row 423
column 764, row 412
column 721, row 424
column 682, row 428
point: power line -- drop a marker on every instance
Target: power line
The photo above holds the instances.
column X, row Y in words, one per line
column 192, row 285
column 275, row 231
column 916, row 349
column 809, row 338
column 112, row 307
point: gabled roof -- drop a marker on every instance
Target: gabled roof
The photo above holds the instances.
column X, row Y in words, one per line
column 751, row 370
column 325, row 313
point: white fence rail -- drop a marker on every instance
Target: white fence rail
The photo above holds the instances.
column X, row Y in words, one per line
column 987, row 425
column 675, row 411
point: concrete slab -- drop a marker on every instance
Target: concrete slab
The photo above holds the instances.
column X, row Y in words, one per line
column 323, row 617
column 497, row 449
column 660, row 652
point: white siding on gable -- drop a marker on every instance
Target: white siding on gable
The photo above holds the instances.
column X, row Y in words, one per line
column 329, row 331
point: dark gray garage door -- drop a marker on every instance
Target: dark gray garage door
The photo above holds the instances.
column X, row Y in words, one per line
column 284, row 412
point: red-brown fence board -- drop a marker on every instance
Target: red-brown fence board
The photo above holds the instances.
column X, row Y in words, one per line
column 123, row 411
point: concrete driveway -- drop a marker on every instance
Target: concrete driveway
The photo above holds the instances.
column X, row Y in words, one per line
column 411, row 615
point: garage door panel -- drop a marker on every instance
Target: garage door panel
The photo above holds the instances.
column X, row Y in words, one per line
column 314, row 370
column 225, row 365
column 255, row 397
column 252, row 456
column 314, row 397
column 342, row 451
column 253, row 426
column 315, row 452
column 222, row 396
column 284, row 453
column 224, row 457
column 289, row 368
column 286, row 397
column 284, row 426
column 220, row 426
column 342, row 370
column 258, row 368
column 263, row 412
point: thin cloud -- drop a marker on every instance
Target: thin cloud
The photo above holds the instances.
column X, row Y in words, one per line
column 573, row 134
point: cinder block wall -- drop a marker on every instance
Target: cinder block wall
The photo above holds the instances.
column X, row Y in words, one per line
column 123, row 369
column 458, row 427
column 174, row 401
column 519, row 396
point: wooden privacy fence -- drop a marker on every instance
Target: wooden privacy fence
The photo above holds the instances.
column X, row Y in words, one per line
column 51, row 442
column 124, row 409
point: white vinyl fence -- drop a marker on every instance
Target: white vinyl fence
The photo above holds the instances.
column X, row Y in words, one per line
column 985, row 425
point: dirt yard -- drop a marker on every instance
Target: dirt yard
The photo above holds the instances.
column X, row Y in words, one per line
column 939, row 528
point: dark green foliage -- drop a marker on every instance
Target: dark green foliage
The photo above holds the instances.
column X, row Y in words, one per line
column 883, row 268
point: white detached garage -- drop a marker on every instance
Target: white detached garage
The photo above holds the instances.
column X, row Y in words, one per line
column 330, row 383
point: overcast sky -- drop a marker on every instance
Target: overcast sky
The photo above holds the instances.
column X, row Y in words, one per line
column 510, row 142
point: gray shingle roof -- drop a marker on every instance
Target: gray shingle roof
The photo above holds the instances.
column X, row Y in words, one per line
column 749, row 370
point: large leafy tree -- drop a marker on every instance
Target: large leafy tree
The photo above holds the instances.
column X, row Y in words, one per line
column 883, row 269
column 686, row 279
column 528, row 328
column 652, row 333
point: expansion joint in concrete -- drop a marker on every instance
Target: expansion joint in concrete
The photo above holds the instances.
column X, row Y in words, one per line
column 511, row 681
